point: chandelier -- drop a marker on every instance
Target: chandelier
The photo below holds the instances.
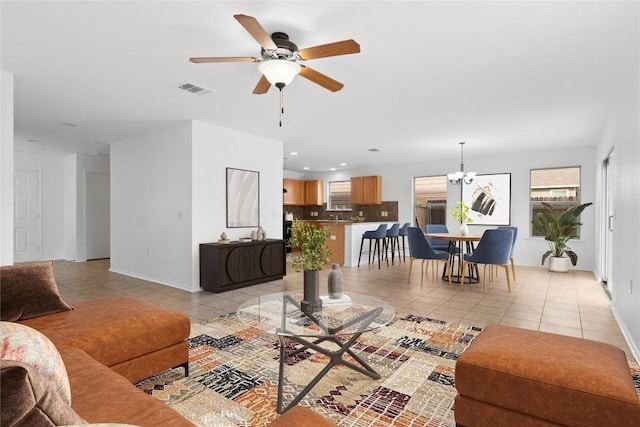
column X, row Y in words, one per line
column 457, row 177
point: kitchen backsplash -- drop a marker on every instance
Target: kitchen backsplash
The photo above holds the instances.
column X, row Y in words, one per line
column 371, row 213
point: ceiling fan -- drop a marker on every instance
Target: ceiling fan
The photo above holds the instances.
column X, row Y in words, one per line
column 279, row 62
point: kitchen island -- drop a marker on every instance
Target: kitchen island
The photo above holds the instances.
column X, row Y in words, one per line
column 353, row 237
column 344, row 242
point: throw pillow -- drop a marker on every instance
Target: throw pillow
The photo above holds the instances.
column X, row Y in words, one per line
column 28, row 398
column 29, row 290
column 24, row 344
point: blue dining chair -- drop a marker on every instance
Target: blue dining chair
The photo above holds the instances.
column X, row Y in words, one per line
column 419, row 248
column 393, row 241
column 513, row 245
column 493, row 249
column 441, row 245
column 379, row 235
column 403, row 233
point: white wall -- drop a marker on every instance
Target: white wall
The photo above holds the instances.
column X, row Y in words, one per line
column 151, row 206
column 169, row 195
column 69, row 205
column 397, row 184
column 215, row 149
column 623, row 135
column 6, row 168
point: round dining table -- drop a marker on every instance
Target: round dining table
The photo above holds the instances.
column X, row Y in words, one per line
column 456, row 248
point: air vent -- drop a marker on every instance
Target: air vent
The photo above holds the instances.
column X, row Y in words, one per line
column 374, row 150
column 191, row 88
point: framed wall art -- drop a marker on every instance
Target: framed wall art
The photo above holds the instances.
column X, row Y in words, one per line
column 243, row 198
column 489, row 197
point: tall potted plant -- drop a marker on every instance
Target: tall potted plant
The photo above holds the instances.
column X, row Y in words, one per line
column 460, row 212
column 558, row 229
column 313, row 256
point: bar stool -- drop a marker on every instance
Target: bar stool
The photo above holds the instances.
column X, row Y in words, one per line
column 392, row 239
column 379, row 235
column 404, row 230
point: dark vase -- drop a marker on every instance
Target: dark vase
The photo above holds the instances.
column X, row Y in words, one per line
column 311, row 301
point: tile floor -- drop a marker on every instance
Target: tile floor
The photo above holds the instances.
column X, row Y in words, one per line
column 571, row 304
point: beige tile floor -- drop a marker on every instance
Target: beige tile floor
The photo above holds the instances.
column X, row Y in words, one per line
column 573, row 303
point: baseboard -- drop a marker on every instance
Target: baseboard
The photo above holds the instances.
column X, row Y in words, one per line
column 150, row 279
column 635, row 351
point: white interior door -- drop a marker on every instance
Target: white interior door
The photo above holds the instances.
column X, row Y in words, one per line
column 609, row 218
column 98, row 216
column 26, row 217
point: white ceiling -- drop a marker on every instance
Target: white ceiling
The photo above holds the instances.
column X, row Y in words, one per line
column 503, row 76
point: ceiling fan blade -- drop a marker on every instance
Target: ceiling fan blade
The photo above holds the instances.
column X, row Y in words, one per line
column 320, row 79
column 262, row 86
column 254, row 28
column 344, row 47
column 223, row 59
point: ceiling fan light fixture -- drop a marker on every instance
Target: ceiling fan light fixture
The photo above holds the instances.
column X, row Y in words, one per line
column 279, row 71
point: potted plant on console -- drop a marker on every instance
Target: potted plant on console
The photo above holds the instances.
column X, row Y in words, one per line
column 314, row 255
column 558, row 229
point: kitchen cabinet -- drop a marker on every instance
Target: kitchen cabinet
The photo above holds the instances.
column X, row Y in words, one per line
column 314, row 192
column 335, row 243
column 295, row 192
column 366, row 190
column 237, row 264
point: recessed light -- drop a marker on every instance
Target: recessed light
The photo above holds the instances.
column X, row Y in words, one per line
column 373, row 150
column 94, row 142
column 294, row 153
column 343, row 164
column 332, row 169
column 306, row 168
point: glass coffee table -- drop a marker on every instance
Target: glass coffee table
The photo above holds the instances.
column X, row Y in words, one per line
column 340, row 323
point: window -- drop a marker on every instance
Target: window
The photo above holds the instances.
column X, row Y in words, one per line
column 339, row 195
column 560, row 187
column 430, row 199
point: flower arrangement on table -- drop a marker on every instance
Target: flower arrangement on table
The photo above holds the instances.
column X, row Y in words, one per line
column 460, row 212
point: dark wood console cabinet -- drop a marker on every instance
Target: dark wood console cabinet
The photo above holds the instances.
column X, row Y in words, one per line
column 235, row 265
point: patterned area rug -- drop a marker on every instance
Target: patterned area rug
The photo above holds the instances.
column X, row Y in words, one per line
column 234, row 376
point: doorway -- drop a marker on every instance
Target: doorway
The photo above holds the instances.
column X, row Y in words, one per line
column 608, row 178
column 98, row 218
column 27, row 222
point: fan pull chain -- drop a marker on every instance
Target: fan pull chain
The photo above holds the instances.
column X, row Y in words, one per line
column 281, row 106
column 281, row 86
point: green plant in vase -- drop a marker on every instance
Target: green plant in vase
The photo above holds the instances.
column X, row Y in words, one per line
column 461, row 213
column 314, row 255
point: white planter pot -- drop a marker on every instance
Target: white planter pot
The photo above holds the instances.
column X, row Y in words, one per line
column 559, row 264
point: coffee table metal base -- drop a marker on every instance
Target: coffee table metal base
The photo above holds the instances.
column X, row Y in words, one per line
column 336, row 357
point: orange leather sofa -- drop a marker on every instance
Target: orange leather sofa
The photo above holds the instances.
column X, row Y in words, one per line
column 516, row 377
column 109, row 343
